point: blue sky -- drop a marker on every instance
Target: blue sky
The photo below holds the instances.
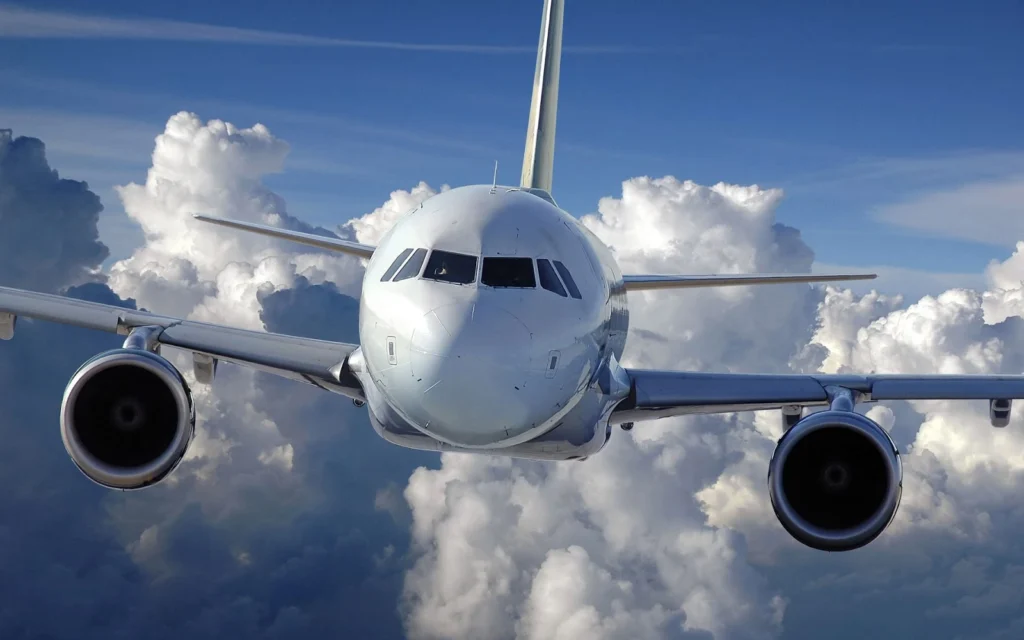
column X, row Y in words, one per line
column 294, row 519
column 862, row 114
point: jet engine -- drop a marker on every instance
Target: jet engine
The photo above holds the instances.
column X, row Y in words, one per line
column 127, row 418
column 835, row 480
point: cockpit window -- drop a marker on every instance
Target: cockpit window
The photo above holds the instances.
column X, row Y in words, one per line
column 574, row 291
column 548, row 277
column 412, row 268
column 395, row 265
column 451, row 267
column 509, row 272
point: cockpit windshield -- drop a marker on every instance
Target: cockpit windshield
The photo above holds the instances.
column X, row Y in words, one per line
column 509, row 272
column 548, row 278
column 412, row 268
column 498, row 272
column 457, row 268
column 574, row 291
column 396, row 265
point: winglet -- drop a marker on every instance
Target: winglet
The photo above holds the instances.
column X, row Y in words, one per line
column 540, row 132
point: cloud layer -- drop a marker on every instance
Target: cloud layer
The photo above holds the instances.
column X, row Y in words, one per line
column 291, row 518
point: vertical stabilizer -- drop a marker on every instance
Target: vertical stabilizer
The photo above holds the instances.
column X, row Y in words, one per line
column 540, row 132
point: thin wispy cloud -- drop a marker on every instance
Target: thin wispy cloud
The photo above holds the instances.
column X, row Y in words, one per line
column 985, row 211
column 262, row 112
column 912, row 284
column 20, row 22
column 937, row 170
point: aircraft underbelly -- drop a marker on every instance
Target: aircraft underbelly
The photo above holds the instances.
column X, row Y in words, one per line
column 581, row 432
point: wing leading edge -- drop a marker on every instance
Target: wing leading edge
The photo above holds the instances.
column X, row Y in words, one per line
column 661, row 394
column 649, row 282
column 313, row 240
column 317, row 362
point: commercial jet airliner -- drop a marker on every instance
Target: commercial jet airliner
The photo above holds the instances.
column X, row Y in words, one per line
column 493, row 322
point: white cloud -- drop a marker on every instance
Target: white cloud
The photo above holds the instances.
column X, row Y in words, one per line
column 253, row 472
column 190, row 268
column 670, row 529
column 1006, row 283
column 1008, row 275
column 241, row 536
column 667, row 533
column 619, row 546
column 281, row 456
column 369, row 229
column 842, row 315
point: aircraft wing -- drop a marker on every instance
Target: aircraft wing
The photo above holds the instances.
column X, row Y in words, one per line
column 313, row 240
column 317, row 362
column 647, row 282
column 660, row 394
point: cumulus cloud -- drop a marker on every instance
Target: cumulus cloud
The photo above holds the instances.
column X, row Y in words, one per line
column 671, row 226
column 249, row 536
column 188, row 266
column 670, row 530
column 48, row 236
column 619, row 546
column 291, row 518
column 324, row 562
column 369, row 229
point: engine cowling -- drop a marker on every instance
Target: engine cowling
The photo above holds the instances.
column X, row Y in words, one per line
column 835, row 480
column 127, row 418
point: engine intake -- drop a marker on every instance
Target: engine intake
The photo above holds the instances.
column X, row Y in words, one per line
column 835, row 480
column 127, row 418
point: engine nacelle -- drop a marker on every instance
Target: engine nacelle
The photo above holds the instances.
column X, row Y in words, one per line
column 835, row 480
column 127, row 418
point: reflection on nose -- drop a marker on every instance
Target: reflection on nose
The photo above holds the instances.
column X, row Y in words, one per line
column 469, row 365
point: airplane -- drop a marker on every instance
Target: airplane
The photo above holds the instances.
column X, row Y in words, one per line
column 493, row 322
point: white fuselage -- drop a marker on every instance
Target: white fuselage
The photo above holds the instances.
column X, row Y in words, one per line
column 512, row 356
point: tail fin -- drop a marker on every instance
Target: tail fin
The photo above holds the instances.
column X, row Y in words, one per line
column 540, row 132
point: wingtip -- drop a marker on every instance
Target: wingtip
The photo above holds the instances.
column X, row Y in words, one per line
column 854, row 276
column 202, row 217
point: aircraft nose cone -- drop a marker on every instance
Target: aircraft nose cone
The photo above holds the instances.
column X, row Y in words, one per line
column 469, row 367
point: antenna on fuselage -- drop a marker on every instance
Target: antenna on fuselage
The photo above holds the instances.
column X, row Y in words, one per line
column 494, row 183
column 540, row 131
